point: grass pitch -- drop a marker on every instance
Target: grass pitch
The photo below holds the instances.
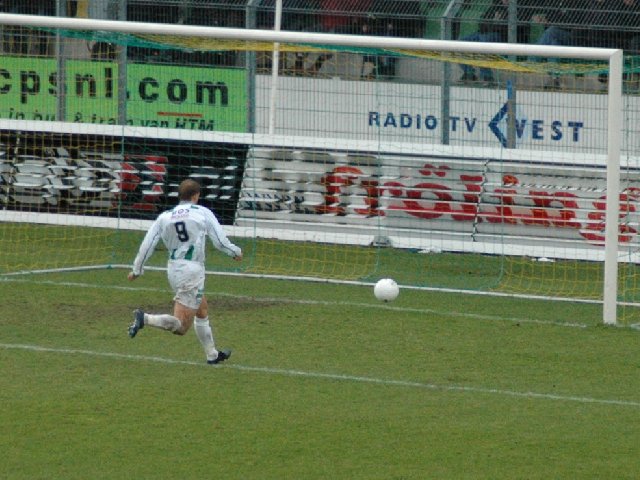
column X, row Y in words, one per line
column 324, row 382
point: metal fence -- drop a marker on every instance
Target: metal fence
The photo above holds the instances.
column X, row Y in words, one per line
column 607, row 23
column 600, row 23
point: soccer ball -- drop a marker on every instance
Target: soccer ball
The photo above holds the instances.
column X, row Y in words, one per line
column 386, row 290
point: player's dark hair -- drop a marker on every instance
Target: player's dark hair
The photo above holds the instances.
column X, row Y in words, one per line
column 187, row 189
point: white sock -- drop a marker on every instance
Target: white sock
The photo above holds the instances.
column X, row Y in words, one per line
column 165, row 322
column 205, row 335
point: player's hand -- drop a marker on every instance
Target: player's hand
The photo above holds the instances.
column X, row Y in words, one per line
column 132, row 276
column 238, row 258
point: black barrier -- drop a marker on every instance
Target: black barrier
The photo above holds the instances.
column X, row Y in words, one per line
column 128, row 177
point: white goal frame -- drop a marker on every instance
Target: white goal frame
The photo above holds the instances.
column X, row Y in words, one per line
column 614, row 58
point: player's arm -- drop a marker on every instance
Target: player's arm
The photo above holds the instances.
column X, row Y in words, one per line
column 146, row 249
column 219, row 238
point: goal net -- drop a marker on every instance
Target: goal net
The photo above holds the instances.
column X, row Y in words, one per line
column 319, row 159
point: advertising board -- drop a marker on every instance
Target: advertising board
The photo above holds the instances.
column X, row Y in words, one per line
column 166, row 96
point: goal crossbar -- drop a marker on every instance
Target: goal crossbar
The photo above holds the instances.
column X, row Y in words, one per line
column 305, row 37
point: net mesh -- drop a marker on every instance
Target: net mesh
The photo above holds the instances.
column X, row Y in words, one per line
column 357, row 181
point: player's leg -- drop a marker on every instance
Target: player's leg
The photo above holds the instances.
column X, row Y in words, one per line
column 187, row 281
column 203, row 330
column 191, row 304
column 184, row 314
column 205, row 335
column 163, row 321
column 179, row 323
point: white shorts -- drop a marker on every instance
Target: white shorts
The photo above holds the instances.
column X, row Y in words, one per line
column 187, row 281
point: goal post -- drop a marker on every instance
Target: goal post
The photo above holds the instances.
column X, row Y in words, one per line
column 342, row 178
column 614, row 136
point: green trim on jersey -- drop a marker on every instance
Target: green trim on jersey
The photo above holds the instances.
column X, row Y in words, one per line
column 187, row 256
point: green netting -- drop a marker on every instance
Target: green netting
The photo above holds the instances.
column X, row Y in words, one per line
column 172, row 42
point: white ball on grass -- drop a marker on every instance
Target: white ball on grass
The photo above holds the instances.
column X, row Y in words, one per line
column 386, row 290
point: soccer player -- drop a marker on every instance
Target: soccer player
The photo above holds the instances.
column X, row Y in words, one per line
column 184, row 230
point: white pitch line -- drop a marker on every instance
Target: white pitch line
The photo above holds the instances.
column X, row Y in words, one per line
column 427, row 311
column 332, row 376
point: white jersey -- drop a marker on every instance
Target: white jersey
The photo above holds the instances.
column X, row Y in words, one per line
column 184, row 230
